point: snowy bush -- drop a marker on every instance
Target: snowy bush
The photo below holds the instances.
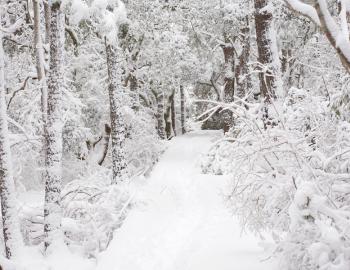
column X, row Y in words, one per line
column 92, row 208
column 142, row 145
column 291, row 179
column 92, row 211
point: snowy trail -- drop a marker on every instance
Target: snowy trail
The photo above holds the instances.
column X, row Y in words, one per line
column 183, row 224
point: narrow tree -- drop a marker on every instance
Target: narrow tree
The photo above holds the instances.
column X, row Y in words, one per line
column 265, row 43
column 243, row 79
column 182, row 109
column 10, row 223
column 229, row 57
column 40, row 68
column 53, row 128
column 160, row 115
column 229, row 69
column 168, row 116
column 173, row 113
column 47, row 16
column 115, row 92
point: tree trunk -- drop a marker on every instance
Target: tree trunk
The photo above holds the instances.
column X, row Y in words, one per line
column 173, row 112
column 182, row 108
column 134, row 91
column 38, row 45
column 167, row 122
column 10, row 223
column 242, row 75
column 40, row 67
column 47, row 13
column 53, row 129
column 106, row 136
column 263, row 26
column 117, row 121
column 160, row 115
column 168, row 116
column 229, row 89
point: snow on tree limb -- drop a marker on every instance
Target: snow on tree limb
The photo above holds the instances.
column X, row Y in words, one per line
column 337, row 35
column 304, row 9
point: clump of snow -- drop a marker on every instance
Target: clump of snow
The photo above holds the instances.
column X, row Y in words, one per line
column 106, row 16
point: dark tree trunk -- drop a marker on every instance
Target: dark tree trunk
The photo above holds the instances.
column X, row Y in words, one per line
column 229, row 89
column 167, row 123
column 160, row 115
column 173, row 112
column 167, row 117
column 263, row 24
column 106, row 136
column 182, row 108
column 243, row 78
column 133, row 86
column 47, row 13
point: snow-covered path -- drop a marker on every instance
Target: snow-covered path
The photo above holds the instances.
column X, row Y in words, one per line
column 183, row 223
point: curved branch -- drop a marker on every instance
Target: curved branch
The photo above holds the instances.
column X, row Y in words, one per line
column 24, row 85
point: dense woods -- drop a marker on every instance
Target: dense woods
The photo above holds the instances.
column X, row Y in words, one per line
column 93, row 92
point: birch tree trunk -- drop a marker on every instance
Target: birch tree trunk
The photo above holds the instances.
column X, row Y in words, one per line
column 182, row 108
column 40, row 67
column 119, row 165
column 53, row 129
column 10, row 222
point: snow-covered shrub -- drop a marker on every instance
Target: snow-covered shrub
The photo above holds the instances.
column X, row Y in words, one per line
column 142, row 145
column 291, row 179
column 93, row 208
column 92, row 211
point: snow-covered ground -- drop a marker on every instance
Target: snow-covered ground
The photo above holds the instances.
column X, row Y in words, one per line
column 182, row 221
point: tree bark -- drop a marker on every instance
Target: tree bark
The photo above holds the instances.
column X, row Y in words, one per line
column 160, row 115
column 229, row 89
column 118, row 128
column 38, row 45
column 242, row 74
column 47, row 13
column 40, row 67
column 168, row 116
column 134, row 91
column 106, row 136
column 53, row 129
column 267, row 72
column 10, row 223
column 182, row 108
column 173, row 112
column 167, row 121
